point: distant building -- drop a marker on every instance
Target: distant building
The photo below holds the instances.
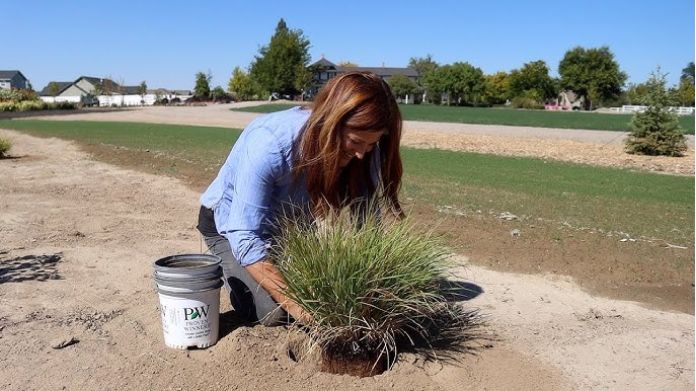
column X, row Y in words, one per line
column 566, row 100
column 55, row 88
column 324, row 70
column 105, row 92
column 13, row 79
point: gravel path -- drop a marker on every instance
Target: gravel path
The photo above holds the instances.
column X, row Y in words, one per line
column 595, row 147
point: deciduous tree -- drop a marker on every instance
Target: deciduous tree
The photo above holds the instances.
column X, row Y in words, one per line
column 218, row 94
column 461, row 81
column 591, row 73
column 532, row 80
column 685, row 91
column 637, row 94
column 688, row 72
column 142, row 91
column 497, row 88
column 53, row 89
column 402, row 86
column 241, row 85
column 424, row 66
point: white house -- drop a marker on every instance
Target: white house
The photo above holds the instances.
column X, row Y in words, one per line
column 105, row 93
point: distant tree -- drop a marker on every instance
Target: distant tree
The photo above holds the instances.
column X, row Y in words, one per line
column 591, row 73
column 106, row 87
column 202, row 89
column 53, row 89
column 218, row 94
column 435, row 84
column 402, row 86
column 462, row 82
column 142, row 91
column 532, row 80
column 347, row 64
column 688, row 72
column 656, row 131
column 637, row 94
column 497, row 90
column 424, row 66
column 241, row 85
column 469, row 83
column 281, row 66
column 684, row 93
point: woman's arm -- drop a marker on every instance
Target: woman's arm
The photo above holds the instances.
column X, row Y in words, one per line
column 270, row 279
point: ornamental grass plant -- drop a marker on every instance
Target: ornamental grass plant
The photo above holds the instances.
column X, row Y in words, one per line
column 5, row 146
column 372, row 287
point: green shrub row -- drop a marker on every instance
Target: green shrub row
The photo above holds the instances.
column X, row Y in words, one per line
column 33, row 105
column 15, row 95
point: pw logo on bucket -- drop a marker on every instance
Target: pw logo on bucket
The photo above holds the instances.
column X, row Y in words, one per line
column 189, row 291
column 196, row 312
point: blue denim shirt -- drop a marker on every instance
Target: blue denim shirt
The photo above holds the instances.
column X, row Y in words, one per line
column 255, row 183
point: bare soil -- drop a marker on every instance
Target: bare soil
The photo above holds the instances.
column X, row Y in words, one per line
column 77, row 242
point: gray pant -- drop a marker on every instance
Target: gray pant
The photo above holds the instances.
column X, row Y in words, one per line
column 250, row 301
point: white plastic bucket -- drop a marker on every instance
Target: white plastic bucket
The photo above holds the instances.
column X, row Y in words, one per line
column 189, row 294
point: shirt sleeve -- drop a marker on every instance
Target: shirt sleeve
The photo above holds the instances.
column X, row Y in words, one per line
column 259, row 164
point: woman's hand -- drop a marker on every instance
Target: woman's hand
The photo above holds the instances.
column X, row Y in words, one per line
column 270, row 279
column 300, row 315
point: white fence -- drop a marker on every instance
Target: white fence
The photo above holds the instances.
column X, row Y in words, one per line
column 118, row 100
column 51, row 99
column 639, row 109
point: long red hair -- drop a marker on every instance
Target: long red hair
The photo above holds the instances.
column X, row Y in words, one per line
column 359, row 101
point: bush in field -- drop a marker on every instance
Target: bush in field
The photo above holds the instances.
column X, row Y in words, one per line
column 5, row 146
column 369, row 286
column 31, row 105
column 62, row 106
column 8, row 107
column 529, row 99
column 17, row 95
column 656, row 131
column 8, row 96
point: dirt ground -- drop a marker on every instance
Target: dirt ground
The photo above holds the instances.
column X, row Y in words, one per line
column 77, row 242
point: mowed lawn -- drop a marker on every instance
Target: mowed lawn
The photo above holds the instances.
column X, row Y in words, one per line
column 505, row 116
column 638, row 204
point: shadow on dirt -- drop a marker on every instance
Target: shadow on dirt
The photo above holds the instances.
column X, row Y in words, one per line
column 12, row 157
column 29, row 267
column 460, row 290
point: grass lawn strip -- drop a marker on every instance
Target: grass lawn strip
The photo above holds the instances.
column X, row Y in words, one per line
column 638, row 204
column 504, row 116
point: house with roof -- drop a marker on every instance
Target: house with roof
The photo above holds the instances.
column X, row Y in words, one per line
column 13, row 79
column 324, row 70
column 103, row 92
column 85, row 89
column 54, row 89
column 566, row 100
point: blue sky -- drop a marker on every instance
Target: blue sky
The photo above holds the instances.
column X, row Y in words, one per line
column 166, row 42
